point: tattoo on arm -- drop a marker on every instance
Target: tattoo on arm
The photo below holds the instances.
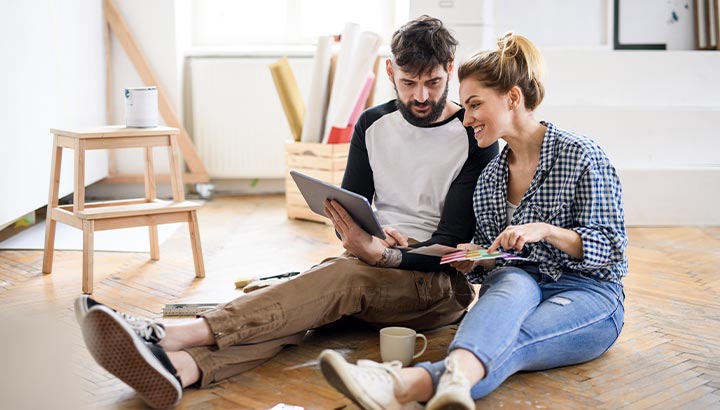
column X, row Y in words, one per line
column 390, row 258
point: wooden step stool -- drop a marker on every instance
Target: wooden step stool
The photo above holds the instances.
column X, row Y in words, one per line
column 98, row 216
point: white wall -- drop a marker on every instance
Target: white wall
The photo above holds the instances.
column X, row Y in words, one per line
column 162, row 31
column 52, row 74
column 653, row 112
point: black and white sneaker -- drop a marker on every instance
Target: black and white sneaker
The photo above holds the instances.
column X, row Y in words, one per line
column 148, row 330
column 82, row 305
column 144, row 366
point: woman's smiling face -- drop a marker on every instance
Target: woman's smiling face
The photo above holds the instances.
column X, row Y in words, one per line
column 487, row 111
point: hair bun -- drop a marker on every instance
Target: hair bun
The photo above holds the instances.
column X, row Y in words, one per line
column 516, row 62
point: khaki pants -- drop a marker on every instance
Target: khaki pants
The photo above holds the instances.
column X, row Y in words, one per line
column 255, row 327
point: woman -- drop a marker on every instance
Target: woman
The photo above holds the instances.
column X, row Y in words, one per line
column 551, row 196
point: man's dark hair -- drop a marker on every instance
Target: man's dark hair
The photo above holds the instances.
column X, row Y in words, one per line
column 422, row 44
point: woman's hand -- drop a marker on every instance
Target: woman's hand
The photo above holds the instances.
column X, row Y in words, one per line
column 516, row 236
column 467, row 266
column 393, row 238
column 366, row 247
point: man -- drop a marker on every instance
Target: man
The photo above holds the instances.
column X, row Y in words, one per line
column 411, row 156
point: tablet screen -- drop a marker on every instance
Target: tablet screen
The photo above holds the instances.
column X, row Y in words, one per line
column 316, row 191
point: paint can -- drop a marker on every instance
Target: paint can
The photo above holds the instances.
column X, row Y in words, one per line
column 141, row 107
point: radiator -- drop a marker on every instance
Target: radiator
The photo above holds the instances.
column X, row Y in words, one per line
column 238, row 124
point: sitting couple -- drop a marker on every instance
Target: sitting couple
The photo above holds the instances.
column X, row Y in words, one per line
column 432, row 170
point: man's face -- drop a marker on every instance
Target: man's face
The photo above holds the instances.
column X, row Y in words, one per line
column 420, row 99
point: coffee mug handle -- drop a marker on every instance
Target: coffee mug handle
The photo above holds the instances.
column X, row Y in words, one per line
column 421, row 336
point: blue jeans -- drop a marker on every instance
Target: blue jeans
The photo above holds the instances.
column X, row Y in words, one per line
column 525, row 321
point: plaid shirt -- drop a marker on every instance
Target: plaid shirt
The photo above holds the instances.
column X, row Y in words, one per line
column 575, row 187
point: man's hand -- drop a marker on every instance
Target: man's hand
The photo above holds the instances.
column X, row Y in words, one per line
column 367, row 248
column 393, row 238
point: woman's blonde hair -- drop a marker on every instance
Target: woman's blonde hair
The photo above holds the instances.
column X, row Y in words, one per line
column 516, row 62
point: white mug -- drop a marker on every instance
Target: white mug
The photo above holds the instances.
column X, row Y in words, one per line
column 398, row 343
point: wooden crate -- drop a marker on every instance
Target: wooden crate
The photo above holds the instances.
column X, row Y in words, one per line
column 325, row 162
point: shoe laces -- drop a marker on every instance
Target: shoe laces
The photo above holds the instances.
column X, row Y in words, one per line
column 146, row 329
column 453, row 376
column 380, row 371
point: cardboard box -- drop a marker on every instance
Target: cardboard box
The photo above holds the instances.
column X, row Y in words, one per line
column 325, row 162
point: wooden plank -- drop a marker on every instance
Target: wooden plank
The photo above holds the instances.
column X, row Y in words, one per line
column 150, row 196
column 295, row 199
column 87, row 256
column 79, row 180
column 101, row 204
column 122, row 32
column 140, row 220
column 146, row 208
column 327, row 176
column 65, row 141
column 317, row 149
column 291, row 187
column 304, row 213
column 175, row 171
column 113, row 131
column 66, row 217
column 128, row 142
column 150, row 189
column 301, row 162
column 154, row 242
column 56, row 161
column 108, row 75
column 195, row 244
column 161, row 178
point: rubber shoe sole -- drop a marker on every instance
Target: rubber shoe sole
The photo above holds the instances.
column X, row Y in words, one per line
column 81, row 308
column 448, row 405
column 333, row 366
column 116, row 348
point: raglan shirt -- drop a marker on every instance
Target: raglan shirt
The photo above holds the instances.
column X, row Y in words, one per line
column 419, row 179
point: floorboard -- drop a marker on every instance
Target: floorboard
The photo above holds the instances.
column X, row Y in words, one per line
column 666, row 357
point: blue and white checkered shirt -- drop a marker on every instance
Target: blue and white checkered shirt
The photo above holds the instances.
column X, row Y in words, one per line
column 575, row 187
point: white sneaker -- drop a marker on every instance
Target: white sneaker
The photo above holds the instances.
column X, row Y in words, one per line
column 368, row 384
column 453, row 391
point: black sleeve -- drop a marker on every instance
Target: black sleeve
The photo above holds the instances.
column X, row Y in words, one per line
column 457, row 222
column 358, row 175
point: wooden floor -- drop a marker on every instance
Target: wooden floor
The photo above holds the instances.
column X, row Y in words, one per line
column 668, row 355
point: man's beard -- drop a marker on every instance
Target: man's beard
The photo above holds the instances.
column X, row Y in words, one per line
column 436, row 109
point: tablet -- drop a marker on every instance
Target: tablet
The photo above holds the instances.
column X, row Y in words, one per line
column 316, row 191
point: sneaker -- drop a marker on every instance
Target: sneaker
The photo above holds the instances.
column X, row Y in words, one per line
column 141, row 365
column 368, row 384
column 82, row 305
column 453, row 390
column 148, row 330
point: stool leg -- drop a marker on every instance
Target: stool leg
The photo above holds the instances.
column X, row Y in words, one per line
column 195, row 243
column 176, row 180
column 154, row 243
column 149, row 197
column 50, row 223
column 79, row 192
column 88, row 249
